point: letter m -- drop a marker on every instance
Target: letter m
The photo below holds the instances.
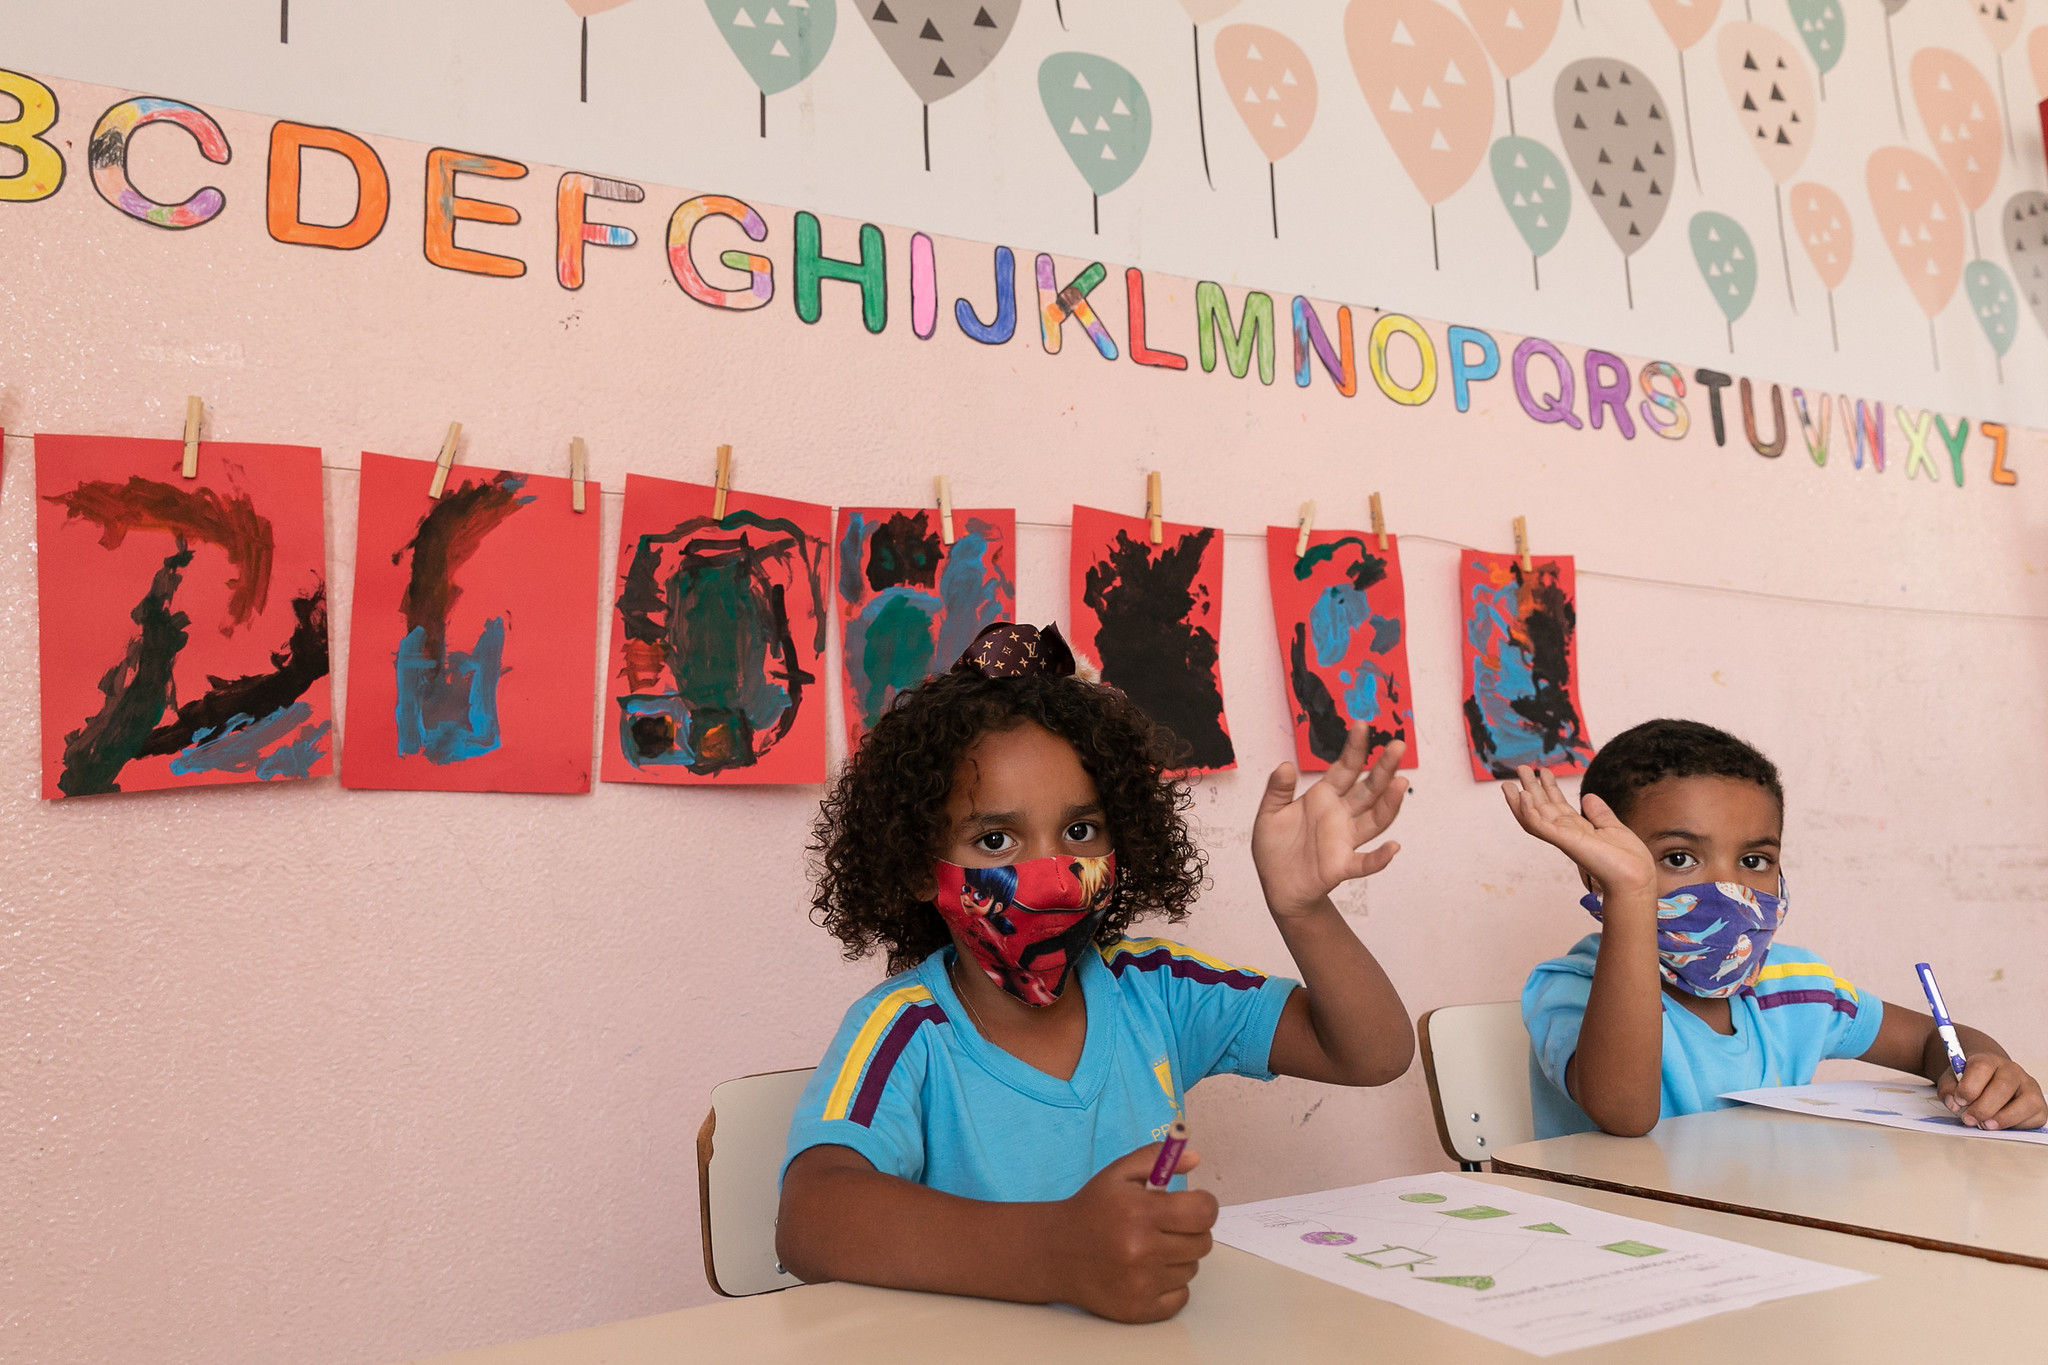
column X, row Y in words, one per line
column 1253, row 329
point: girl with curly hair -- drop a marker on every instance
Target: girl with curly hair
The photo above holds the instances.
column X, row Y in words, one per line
column 986, row 1120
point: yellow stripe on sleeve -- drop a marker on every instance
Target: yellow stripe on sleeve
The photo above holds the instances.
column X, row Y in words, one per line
column 1138, row 947
column 1781, row 970
column 879, row 1018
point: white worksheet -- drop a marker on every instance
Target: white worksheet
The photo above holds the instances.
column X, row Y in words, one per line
column 1895, row 1104
column 1537, row 1274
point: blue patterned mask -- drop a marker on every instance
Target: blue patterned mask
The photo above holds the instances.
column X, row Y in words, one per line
column 1712, row 936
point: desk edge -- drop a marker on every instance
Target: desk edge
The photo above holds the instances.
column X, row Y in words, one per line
column 1500, row 1167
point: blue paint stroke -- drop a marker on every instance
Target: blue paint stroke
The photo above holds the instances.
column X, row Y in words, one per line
column 852, row 554
column 1339, row 611
column 1386, row 633
column 296, row 756
column 238, row 746
column 449, row 712
column 974, row 589
column 1368, row 690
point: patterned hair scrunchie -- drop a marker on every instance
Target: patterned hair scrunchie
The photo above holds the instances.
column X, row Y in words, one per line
column 1010, row 650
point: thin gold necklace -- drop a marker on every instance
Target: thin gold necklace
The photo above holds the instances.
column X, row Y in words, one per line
column 955, row 982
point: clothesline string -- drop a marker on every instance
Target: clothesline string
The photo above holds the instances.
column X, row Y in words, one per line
column 1721, row 589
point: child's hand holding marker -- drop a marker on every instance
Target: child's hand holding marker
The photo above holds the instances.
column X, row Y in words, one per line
column 1129, row 1246
column 1987, row 1090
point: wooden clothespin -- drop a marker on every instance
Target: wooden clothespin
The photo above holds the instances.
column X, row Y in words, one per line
column 1522, row 544
column 943, row 487
column 1155, row 508
column 1379, row 521
column 1305, row 524
column 724, row 484
column 193, row 408
column 579, row 465
column 445, row 463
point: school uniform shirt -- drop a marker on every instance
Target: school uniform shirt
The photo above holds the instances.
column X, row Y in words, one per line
column 911, row 1084
column 1797, row 1012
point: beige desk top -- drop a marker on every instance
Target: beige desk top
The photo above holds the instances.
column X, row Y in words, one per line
column 1979, row 1198
column 1924, row 1304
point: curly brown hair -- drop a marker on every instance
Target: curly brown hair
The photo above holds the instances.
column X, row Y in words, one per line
column 878, row 828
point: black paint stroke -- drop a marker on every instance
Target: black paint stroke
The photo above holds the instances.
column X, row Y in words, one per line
column 300, row 664
column 137, row 689
column 901, row 553
column 1151, row 650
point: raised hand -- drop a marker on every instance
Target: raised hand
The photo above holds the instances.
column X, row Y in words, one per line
column 1604, row 848
column 1304, row 847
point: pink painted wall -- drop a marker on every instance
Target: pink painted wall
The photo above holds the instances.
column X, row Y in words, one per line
column 296, row 1074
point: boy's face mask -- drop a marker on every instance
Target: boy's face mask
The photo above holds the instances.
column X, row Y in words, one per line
column 1028, row 923
column 1712, row 936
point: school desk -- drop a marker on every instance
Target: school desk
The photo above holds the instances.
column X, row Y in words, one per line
column 1967, row 1195
column 1924, row 1305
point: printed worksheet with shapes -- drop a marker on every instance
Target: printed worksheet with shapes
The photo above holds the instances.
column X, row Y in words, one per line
column 1537, row 1274
column 1900, row 1103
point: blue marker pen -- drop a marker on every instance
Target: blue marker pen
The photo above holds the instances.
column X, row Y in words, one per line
column 1942, row 1023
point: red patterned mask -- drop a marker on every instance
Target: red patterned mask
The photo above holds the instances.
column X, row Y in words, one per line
column 1028, row 923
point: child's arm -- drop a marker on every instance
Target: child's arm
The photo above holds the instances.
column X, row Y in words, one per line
column 1995, row 1092
column 1348, row 1027
column 1115, row 1248
column 1616, row 1074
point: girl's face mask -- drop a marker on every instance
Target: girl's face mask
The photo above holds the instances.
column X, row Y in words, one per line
column 1028, row 923
column 1712, row 936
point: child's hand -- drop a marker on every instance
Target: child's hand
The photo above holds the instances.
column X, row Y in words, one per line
column 1604, row 848
column 1304, row 848
column 1995, row 1093
column 1128, row 1252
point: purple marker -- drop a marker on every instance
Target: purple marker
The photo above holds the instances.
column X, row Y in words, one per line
column 1943, row 1025
column 1169, row 1156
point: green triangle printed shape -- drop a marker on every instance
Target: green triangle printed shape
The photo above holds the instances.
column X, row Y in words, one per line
column 1544, row 1227
column 1462, row 1281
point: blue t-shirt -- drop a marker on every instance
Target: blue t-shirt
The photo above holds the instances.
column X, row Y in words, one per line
column 1797, row 1012
column 911, row 1085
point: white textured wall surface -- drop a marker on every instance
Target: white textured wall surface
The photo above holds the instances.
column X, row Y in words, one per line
column 293, row 1074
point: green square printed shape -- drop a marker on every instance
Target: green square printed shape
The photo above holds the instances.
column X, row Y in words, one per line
column 1477, row 1211
column 1634, row 1248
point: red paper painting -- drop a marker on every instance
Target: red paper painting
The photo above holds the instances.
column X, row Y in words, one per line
column 473, row 631
column 1151, row 617
column 910, row 604
column 718, row 639
column 1521, row 647
column 1343, row 627
column 184, row 621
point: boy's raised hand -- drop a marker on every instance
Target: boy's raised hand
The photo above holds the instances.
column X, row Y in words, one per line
column 1604, row 848
column 1304, row 847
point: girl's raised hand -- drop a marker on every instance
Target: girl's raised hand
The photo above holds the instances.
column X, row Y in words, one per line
column 1304, row 847
column 1604, row 848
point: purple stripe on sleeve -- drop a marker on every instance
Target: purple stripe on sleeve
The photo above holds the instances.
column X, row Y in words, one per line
column 1237, row 978
column 893, row 1042
column 1773, row 999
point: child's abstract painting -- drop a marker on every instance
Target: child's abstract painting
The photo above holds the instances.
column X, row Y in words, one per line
column 1150, row 616
column 184, row 621
column 1521, row 664
column 473, row 631
column 1343, row 629
column 718, row 638
column 909, row 604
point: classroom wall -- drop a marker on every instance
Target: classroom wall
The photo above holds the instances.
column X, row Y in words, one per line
column 288, row 1073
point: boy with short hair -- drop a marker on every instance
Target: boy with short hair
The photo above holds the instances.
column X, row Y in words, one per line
column 1686, row 995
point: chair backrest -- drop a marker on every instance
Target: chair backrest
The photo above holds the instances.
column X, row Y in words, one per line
column 1476, row 1059
column 739, row 1162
